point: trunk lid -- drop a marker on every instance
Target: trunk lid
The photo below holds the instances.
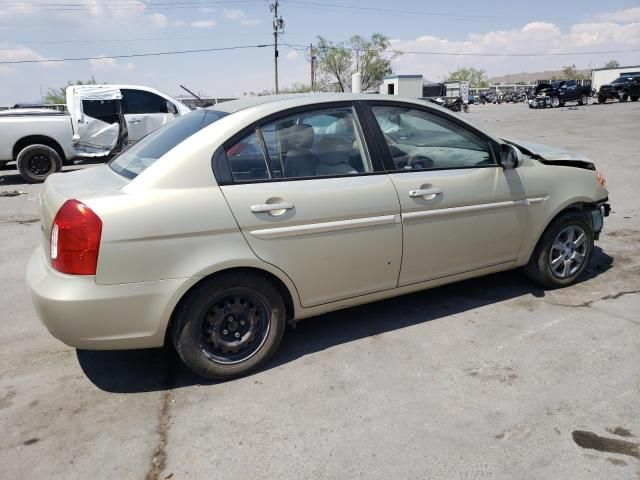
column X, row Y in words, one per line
column 81, row 185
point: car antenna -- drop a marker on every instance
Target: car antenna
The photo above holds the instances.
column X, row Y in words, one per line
column 196, row 96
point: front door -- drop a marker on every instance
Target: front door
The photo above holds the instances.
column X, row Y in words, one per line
column 144, row 112
column 308, row 199
column 460, row 210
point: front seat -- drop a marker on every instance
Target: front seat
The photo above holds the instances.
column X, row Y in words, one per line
column 299, row 161
column 334, row 154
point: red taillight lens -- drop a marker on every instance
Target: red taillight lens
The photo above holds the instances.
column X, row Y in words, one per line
column 75, row 239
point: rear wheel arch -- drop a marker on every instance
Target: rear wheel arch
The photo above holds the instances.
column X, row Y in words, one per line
column 37, row 140
column 282, row 288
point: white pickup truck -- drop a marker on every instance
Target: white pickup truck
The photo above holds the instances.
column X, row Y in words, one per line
column 101, row 120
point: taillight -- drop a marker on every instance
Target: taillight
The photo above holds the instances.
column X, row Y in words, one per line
column 75, row 239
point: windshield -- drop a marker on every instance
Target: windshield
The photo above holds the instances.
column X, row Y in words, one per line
column 621, row 80
column 134, row 160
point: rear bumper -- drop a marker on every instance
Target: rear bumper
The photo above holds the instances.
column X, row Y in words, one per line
column 83, row 314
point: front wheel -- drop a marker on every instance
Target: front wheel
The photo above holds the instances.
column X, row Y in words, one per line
column 624, row 96
column 555, row 102
column 634, row 98
column 602, row 99
column 563, row 252
column 37, row 162
column 229, row 325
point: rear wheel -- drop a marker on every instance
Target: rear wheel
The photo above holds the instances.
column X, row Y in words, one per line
column 229, row 326
column 563, row 252
column 37, row 162
column 583, row 99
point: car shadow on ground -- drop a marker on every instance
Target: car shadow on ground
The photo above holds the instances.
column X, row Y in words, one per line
column 131, row 371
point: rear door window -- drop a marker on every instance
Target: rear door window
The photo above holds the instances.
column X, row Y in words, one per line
column 104, row 110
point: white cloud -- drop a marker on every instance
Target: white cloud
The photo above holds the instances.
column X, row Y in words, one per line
column 110, row 64
column 203, row 24
column 534, row 37
column 240, row 16
column 13, row 53
column 293, row 55
column 628, row 15
column 159, row 20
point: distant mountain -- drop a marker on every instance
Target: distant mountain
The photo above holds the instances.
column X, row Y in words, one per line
column 531, row 77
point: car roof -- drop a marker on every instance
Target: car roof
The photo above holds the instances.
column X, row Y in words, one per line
column 302, row 99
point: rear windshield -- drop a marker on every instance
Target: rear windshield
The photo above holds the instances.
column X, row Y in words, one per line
column 135, row 159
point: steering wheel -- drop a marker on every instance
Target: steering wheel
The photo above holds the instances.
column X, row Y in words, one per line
column 420, row 161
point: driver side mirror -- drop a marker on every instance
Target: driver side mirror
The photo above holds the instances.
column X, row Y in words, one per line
column 509, row 156
column 170, row 107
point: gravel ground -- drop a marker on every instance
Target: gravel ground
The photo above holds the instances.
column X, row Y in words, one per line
column 488, row 378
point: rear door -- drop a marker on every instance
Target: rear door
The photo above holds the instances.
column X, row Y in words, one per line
column 310, row 200
column 145, row 111
column 460, row 210
column 95, row 112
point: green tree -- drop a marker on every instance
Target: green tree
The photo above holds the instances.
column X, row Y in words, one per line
column 338, row 61
column 58, row 95
column 475, row 77
column 570, row 72
column 612, row 64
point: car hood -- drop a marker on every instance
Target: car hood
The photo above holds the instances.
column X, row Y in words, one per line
column 548, row 154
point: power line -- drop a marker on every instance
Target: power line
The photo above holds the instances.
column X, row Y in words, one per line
column 305, row 47
column 133, row 55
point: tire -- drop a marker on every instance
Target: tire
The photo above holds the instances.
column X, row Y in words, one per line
column 235, row 305
column 583, row 99
column 624, row 96
column 602, row 99
column 634, row 98
column 555, row 102
column 37, row 162
column 554, row 263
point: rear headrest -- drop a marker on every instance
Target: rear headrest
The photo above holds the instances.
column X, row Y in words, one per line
column 300, row 136
column 334, row 150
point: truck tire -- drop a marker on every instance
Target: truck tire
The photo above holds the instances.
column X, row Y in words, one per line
column 583, row 99
column 37, row 162
column 634, row 98
column 624, row 96
column 602, row 99
column 555, row 102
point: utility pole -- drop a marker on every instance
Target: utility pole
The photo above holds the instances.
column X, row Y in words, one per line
column 313, row 68
column 278, row 27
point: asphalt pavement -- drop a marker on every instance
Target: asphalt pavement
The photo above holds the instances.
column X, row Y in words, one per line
column 491, row 378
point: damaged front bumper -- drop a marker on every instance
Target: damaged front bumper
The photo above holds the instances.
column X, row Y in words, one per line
column 598, row 212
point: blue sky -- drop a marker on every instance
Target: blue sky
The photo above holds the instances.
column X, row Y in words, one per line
column 36, row 30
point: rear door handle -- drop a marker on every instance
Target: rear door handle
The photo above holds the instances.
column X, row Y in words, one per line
column 135, row 120
column 272, row 208
column 429, row 193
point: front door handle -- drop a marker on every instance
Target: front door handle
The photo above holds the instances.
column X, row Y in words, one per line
column 426, row 193
column 272, row 208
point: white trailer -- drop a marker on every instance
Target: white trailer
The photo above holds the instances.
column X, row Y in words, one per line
column 602, row 76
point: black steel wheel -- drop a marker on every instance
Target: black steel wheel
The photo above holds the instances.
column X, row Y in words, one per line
column 229, row 325
column 37, row 162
